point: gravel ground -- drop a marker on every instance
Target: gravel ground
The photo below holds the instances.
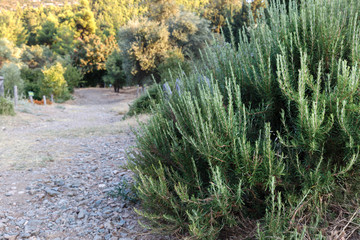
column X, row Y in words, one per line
column 62, row 164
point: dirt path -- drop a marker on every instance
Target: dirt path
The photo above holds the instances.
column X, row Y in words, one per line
column 59, row 166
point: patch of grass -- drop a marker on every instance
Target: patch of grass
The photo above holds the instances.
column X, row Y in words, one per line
column 6, row 107
column 46, row 159
column 126, row 191
column 60, row 107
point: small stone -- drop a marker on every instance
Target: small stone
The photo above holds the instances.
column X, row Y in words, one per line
column 122, row 222
column 108, row 225
column 26, row 235
column 59, row 182
column 71, row 194
column 97, row 203
column 20, row 222
column 82, row 214
column 32, row 226
column 123, row 235
column 51, row 192
column 75, row 185
column 10, row 237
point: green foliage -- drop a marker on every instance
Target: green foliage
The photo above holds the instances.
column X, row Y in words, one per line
column 111, row 15
column 64, row 41
column 162, row 10
column 219, row 10
column 47, row 32
column 73, row 77
column 54, row 82
column 32, row 80
column 11, row 74
column 264, row 133
column 84, row 20
column 37, row 56
column 11, row 27
column 189, row 33
column 144, row 44
column 126, row 191
column 90, row 56
column 7, row 52
column 173, row 67
column 197, row 6
column 115, row 74
column 145, row 102
column 6, row 107
column 91, row 53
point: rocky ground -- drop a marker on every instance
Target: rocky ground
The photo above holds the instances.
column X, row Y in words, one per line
column 62, row 167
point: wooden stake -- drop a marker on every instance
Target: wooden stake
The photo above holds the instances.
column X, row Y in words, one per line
column 2, row 92
column 15, row 95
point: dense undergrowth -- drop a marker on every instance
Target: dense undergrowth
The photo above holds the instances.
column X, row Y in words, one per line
column 145, row 101
column 262, row 140
column 6, row 107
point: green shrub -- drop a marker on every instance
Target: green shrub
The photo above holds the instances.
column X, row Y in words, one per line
column 173, row 67
column 73, row 77
column 12, row 77
column 265, row 134
column 125, row 190
column 146, row 100
column 32, row 80
column 115, row 74
column 7, row 51
column 37, row 56
column 55, row 83
column 6, row 107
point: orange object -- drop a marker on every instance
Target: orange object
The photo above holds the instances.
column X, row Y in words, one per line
column 41, row 102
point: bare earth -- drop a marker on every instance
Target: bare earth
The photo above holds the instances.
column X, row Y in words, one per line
column 59, row 165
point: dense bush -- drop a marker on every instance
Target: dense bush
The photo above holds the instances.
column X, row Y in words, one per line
column 115, row 74
column 32, row 80
column 266, row 136
column 7, row 52
column 6, row 107
column 37, row 56
column 55, row 83
column 173, row 67
column 90, row 56
column 73, row 77
column 146, row 100
column 12, row 77
column 146, row 43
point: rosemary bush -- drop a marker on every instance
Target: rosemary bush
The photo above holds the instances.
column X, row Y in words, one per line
column 264, row 133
